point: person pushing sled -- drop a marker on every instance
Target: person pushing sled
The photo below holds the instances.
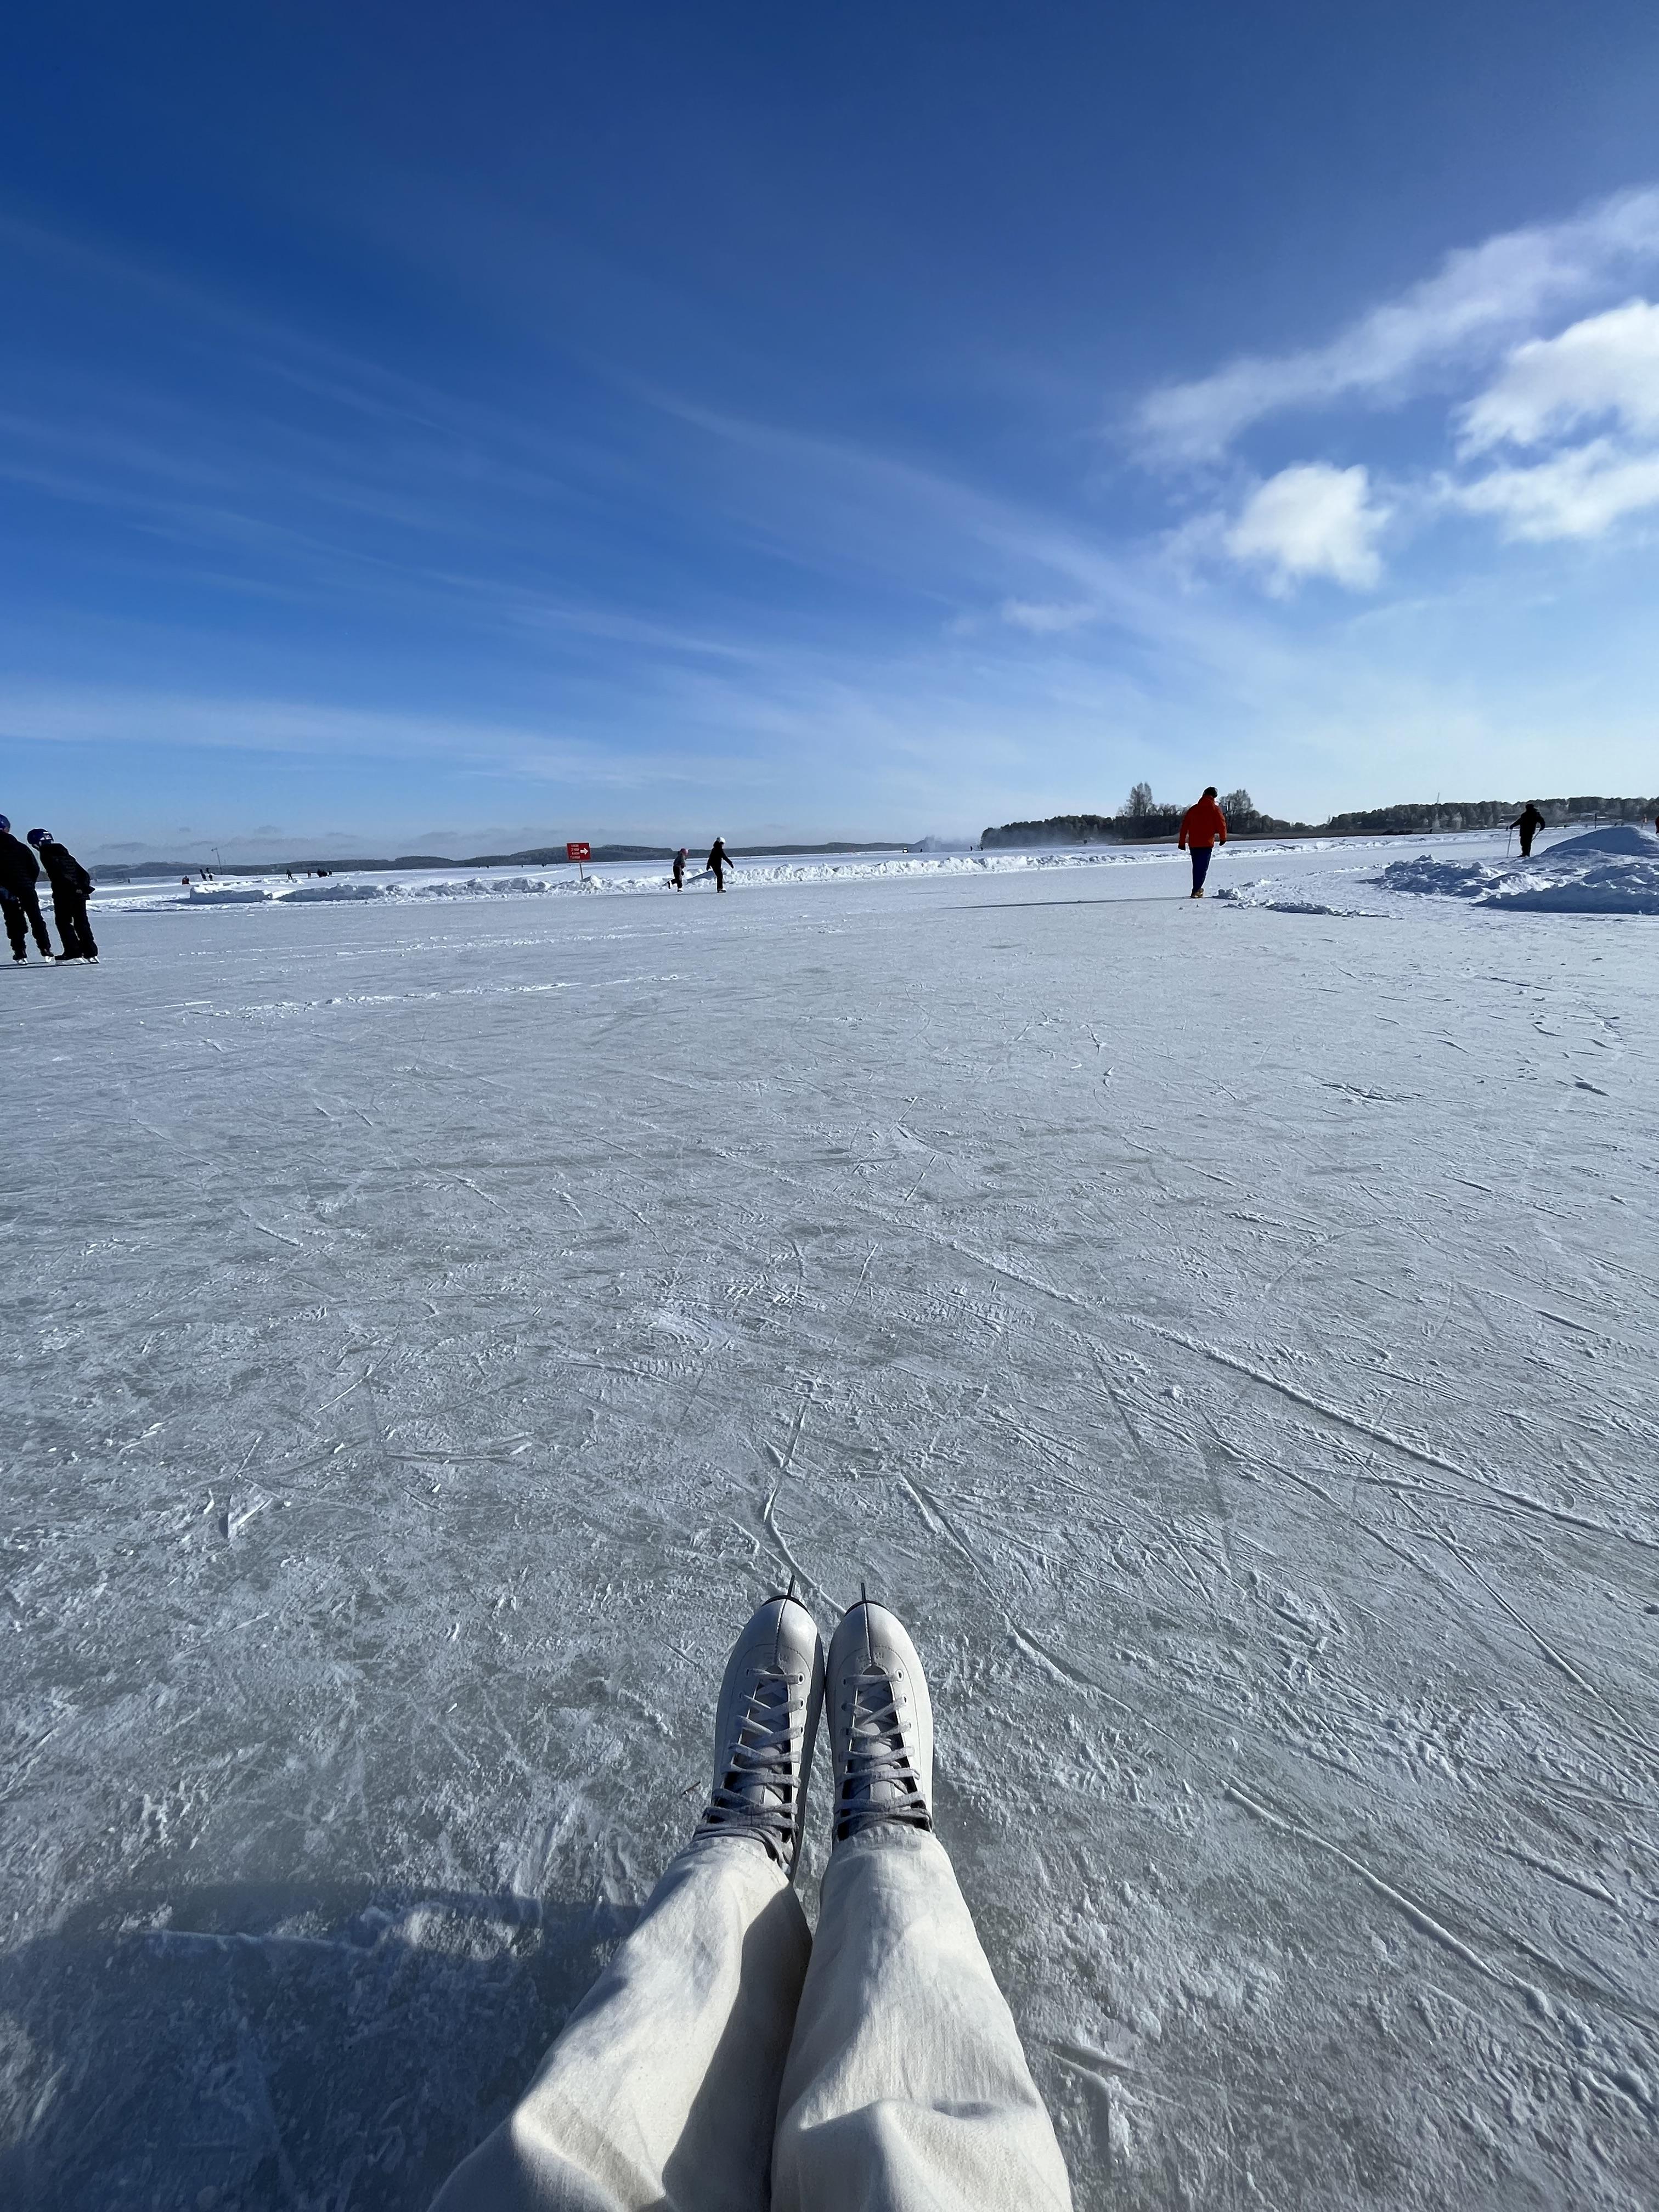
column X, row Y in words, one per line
column 727, row 2059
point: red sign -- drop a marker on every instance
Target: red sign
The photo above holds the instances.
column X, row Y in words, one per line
column 581, row 851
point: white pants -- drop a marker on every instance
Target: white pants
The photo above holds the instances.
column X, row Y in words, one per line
column 724, row 2062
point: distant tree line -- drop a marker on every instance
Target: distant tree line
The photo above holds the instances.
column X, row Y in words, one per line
column 1142, row 820
column 1491, row 814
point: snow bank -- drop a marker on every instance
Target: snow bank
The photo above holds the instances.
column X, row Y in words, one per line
column 327, row 893
column 1279, row 898
column 1434, row 879
column 482, row 887
column 755, row 875
column 1619, row 837
column 1613, row 870
column 1631, row 888
column 1316, row 875
column 752, row 875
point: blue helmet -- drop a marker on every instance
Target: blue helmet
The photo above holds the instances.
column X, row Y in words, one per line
column 5, row 822
column 39, row 838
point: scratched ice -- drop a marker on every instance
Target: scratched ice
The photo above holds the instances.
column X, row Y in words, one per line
column 1228, row 1335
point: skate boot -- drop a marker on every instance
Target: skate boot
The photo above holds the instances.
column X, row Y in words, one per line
column 765, row 1724
column 881, row 1724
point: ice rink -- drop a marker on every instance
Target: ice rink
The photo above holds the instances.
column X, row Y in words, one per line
column 1226, row 1335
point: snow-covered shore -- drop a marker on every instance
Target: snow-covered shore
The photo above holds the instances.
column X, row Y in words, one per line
column 1599, row 872
column 1609, row 872
column 628, row 878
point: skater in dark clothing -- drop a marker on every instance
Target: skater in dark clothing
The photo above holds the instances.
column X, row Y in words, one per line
column 718, row 862
column 70, row 887
column 1528, row 822
column 18, row 874
column 679, row 869
column 1203, row 828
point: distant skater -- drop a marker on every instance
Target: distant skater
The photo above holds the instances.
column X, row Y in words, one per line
column 679, row 869
column 719, row 862
column 20, row 871
column 1203, row 828
column 70, row 888
column 1528, row 822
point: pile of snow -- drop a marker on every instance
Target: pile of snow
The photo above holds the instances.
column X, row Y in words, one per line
column 224, row 898
column 1619, row 837
column 1264, row 891
column 483, row 887
column 319, row 894
column 1441, row 879
column 1613, row 870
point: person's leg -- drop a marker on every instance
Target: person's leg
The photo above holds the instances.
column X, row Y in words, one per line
column 16, row 927
column 1526, row 844
column 69, row 911
column 37, row 922
column 906, row 2089
column 1200, row 867
column 662, row 2091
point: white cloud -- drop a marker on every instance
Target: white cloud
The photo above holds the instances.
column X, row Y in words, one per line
column 1606, row 368
column 1480, row 298
column 1579, row 494
column 1607, row 364
column 1043, row 619
column 1312, row 520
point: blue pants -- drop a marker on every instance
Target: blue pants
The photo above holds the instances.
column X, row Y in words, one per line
column 1200, row 865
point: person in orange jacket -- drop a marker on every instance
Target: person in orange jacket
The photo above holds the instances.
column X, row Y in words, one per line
column 1203, row 828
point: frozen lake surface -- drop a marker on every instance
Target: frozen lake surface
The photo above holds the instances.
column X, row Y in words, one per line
column 1226, row 1335
column 1610, row 871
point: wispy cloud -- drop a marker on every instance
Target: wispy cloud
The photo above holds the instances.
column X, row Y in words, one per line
column 1312, row 520
column 1601, row 372
column 1480, row 298
column 136, row 715
column 1580, row 493
column 1541, row 393
column 1043, row 618
column 1606, row 365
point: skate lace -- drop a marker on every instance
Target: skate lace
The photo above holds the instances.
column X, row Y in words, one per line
column 755, row 1796
column 875, row 1754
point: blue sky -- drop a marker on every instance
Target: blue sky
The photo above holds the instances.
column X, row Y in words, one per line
column 429, row 427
